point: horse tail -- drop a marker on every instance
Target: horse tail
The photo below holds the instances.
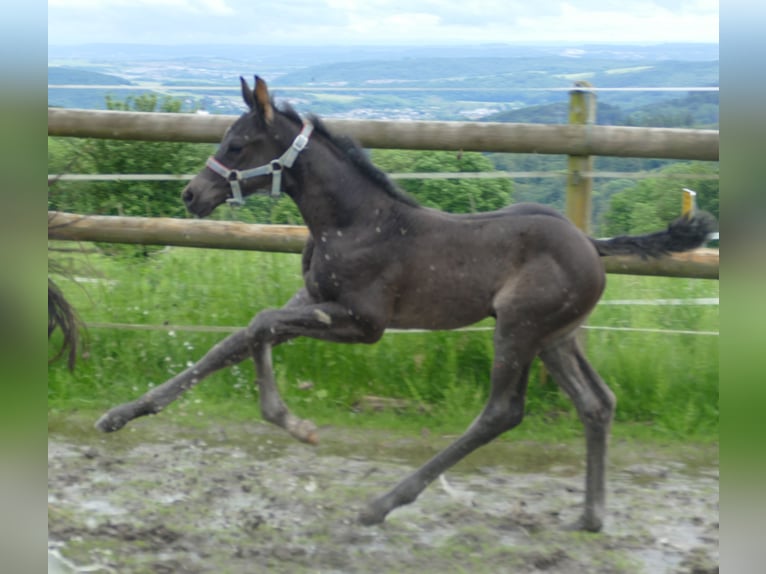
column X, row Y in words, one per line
column 685, row 233
column 62, row 315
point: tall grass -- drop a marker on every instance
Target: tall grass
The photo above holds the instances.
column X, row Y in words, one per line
column 668, row 382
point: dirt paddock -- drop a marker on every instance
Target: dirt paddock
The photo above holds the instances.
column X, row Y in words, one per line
column 244, row 498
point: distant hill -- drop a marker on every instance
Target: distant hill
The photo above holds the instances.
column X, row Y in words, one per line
column 697, row 109
column 506, row 73
column 558, row 113
column 302, row 56
column 60, row 75
column 398, row 82
column 502, row 82
column 88, row 99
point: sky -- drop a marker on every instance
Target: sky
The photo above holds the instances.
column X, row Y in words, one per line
column 380, row 22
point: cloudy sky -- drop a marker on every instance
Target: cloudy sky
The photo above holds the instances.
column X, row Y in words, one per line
column 333, row 22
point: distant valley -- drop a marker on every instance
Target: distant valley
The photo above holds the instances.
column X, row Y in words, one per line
column 498, row 82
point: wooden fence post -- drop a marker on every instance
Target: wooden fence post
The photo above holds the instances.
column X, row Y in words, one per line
column 582, row 111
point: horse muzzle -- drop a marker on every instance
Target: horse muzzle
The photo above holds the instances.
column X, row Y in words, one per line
column 195, row 204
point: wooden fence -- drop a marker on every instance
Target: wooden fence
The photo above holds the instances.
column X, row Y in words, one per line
column 701, row 263
column 565, row 139
column 579, row 140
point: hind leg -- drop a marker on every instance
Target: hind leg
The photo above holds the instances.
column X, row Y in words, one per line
column 595, row 405
column 503, row 411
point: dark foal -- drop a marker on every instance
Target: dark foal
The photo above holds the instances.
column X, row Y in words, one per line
column 378, row 260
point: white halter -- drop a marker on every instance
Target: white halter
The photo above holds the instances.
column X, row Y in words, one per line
column 273, row 168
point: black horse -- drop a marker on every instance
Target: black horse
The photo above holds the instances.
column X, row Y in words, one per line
column 376, row 259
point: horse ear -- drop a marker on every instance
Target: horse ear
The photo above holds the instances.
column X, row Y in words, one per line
column 263, row 100
column 247, row 93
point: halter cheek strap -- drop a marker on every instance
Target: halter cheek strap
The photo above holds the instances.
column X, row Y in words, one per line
column 273, row 168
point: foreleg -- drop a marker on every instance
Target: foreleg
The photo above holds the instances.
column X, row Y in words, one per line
column 232, row 350
column 326, row 321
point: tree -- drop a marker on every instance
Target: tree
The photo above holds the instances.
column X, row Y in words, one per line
column 452, row 195
column 150, row 198
column 652, row 203
column 549, row 191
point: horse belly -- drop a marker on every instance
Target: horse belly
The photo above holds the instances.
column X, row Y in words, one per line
column 439, row 309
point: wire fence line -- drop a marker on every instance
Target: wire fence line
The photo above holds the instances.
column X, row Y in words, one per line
column 695, row 301
column 406, row 176
column 662, row 302
column 378, row 88
column 692, row 301
column 230, row 329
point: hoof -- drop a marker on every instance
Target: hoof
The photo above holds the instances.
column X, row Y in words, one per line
column 109, row 423
column 303, row 430
column 118, row 417
column 370, row 518
column 312, row 438
column 584, row 524
column 372, row 515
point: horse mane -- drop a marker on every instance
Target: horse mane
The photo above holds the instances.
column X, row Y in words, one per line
column 355, row 153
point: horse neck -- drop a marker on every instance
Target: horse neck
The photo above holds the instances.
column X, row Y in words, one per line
column 334, row 193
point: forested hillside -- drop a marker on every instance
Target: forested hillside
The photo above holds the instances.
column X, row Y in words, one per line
column 695, row 110
column 83, row 98
column 63, row 76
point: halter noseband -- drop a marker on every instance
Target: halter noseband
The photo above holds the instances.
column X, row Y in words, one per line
column 273, row 168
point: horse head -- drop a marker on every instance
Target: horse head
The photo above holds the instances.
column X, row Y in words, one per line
column 252, row 154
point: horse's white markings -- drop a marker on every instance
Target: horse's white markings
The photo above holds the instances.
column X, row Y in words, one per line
column 323, row 317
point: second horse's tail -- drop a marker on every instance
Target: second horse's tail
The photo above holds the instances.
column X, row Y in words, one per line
column 685, row 233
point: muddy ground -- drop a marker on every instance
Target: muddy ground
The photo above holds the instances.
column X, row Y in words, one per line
column 159, row 496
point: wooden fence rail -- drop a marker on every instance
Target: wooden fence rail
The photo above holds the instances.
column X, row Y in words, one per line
column 567, row 139
column 179, row 232
column 576, row 141
column 701, row 263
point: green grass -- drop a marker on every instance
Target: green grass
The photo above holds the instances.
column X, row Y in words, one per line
column 666, row 384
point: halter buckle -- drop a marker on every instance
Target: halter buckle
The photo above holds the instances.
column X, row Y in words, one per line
column 300, row 143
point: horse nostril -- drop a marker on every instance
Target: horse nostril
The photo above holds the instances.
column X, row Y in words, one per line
column 187, row 195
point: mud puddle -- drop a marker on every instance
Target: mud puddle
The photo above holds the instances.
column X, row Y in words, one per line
column 162, row 497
